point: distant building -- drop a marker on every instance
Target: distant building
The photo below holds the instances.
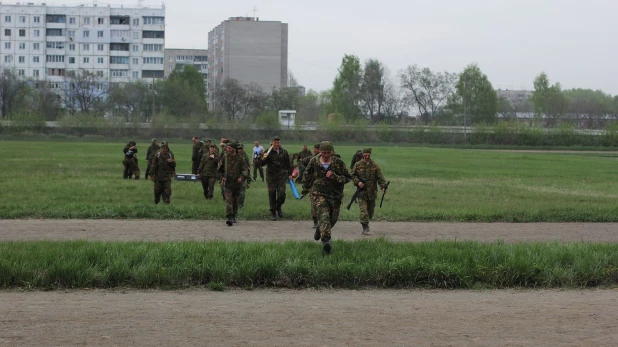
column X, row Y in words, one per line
column 516, row 97
column 250, row 51
column 287, row 118
column 182, row 57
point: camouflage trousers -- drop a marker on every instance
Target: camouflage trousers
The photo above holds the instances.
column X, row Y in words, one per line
column 243, row 192
column 208, row 185
column 327, row 212
column 148, row 173
column 257, row 167
column 162, row 188
column 130, row 168
column 276, row 193
column 367, row 208
column 232, row 196
column 194, row 166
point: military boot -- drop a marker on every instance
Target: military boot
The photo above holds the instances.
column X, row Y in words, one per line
column 365, row 228
column 136, row 177
column 326, row 246
column 317, row 235
column 234, row 219
column 315, row 222
column 280, row 213
column 229, row 221
column 273, row 215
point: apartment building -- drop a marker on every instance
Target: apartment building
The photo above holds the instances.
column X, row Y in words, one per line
column 182, row 57
column 250, row 51
column 118, row 44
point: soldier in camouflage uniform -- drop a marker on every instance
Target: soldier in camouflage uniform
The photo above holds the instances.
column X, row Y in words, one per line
column 357, row 156
column 368, row 171
column 152, row 150
column 302, row 156
column 207, row 172
column 195, row 155
column 130, row 161
column 246, row 184
column 163, row 166
column 305, row 163
column 278, row 173
column 224, row 144
column 234, row 171
column 325, row 177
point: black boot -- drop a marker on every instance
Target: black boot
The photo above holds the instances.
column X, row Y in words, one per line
column 317, row 235
column 273, row 215
column 280, row 213
column 365, row 228
column 315, row 222
column 234, row 219
column 229, row 221
column 326, row 246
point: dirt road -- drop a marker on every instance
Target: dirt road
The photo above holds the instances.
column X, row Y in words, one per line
column 199, row 317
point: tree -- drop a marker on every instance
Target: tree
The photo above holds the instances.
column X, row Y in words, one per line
column 286, row 98
column 312, row 106
column 11, row 90
column 427, row 90
column 395, row 104
column 548, row 100
column 184, row 92
column 255, row 101
column 43, row 99
column 230, row 98
column 192, row 76
column 346, row 95
column 593, row 106
column 85, row 92
column 480, row 101
column 506, row 109
column 372, row 88
column 132, row 100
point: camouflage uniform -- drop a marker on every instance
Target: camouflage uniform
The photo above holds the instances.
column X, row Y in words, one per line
column 162, row 171
column 302, row 156
column 195, row 157
column 371, row 173
column 130, row 161
column 232, row 168
column 305, row 162
column 326, row 193
column 152, row 150
column 357, row 157
column 208, row 174
column 277, row 175
column 245, row 183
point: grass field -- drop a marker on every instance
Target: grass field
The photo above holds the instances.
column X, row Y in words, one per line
column 84, row 180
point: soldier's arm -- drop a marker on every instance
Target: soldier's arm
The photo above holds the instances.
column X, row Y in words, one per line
column 308, row 177
column 289, row 167
column 355, row 175
column 380, row 176
column 202, row 163
column 341, row 173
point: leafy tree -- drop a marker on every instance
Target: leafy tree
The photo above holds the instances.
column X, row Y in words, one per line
column 346, row 93
column 192, row 76
column 548, row 100
column 477, row 95
column 427, row 90
column 45, row 101
column 372, row 88
column 132, row 100
column 183, row 93
column 12, row 88
column 593, row 106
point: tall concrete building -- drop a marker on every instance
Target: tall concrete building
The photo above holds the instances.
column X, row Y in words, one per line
column 250, row 51
column 117, row 44
column 182, row 57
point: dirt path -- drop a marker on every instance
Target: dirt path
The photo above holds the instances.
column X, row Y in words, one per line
column 200, row 317
column 153, row 230
column 310, row 318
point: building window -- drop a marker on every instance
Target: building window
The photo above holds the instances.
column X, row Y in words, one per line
column 72, row 20
column 119, row 47
column 7, row 45
column 86, row 33
column 151, row 47
column 22, row 19
column 37, row 33
column 154, row 20
column 56, row 18
column 55, row 58
column 136, row 35
column 36, row 46
column 22, row 59
column 35, row 59
column 71, row 47
column 86, row 60
column 55, row 45
column 99, row 60
column 22, row 45
column 86, row 47
column 100, row 47
column 99, row 73
column 37, row 19
column 71, row 60
column 99, row 34
column 135, row 22
column 54, row 32
column 120, row 33
column 118, row 60
column 7, row 19
column 35, row 73
column 152, row 74
column 8, row 58
column 135, row 74
column 22, row 32
column 21, row 72
column 170, row 58
column 87, row 21
column 153, row 60
column 135, row 61
column 170, row 67
column 119, row 73
column 71, row 34
column 153, row 35
column 101, row 21
column 55, row 72
column 7, row 32
column 135, row 48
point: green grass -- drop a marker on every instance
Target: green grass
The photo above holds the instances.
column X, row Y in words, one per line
column 375, row 263
column 84, row 180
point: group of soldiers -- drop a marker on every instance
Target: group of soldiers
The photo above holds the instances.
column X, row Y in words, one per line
column 323, row 175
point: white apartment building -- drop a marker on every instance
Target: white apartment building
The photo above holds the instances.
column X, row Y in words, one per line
column 118, row 44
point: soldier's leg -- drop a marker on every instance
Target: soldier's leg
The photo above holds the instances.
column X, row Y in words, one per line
column 324, row 208
column 334, row 214
column 211, row 187
column 222, row 192
column 125, row 172
column 255, row 169
column 147, row 170
column 272, row 199
column 135, row 168
column 167, row 191
column 261, row 170
column 364, row 214
column 205, row 186
column 243, row 191
column 281, row 196
column 229, row 206
column 235, row 203
column 371, row 207
column 158, row 190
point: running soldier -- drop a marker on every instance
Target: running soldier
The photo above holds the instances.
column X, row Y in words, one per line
column 246, row 184
column 152, row 150
column 325, row 177
column 195, row 155
column 257, row 154
column 305, row 163
column 278, row 173
column 302, row 156
column 130, row 161
column 234, row 171
column 163, row 167
column 367, row 176
column 207, row 172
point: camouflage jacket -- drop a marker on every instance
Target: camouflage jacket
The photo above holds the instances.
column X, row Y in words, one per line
column 162, row 170
column 355, row 159
column 315, row 178
column 159, row 151
column 236, row 167
column 151, row 151
column 246, row 157
column 208, row 166
column 195, row 156
column 279, row 165
column 372, row 174
column 303, row 155
column 128, row 152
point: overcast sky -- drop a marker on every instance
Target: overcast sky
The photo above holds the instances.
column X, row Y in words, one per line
column 574, row 41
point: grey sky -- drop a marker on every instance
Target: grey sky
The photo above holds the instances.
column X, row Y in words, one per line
column 573, row 41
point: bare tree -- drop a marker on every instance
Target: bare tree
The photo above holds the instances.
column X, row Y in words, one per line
column 11, row 87
column 396, row 104
column 85, row 91
column 230, row 99
column 133, row 100
column 427, row 90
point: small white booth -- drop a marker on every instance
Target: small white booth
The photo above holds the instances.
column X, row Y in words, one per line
column 287, row 118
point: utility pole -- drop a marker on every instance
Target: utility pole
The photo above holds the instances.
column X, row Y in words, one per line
column 465, row 96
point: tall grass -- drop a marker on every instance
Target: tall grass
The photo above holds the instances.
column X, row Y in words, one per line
column 380, row 263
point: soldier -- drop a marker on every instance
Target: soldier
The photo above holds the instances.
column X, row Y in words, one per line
column 195, row 158
column 130, row 161
column 302, row 155
column 152, row 150
column 224, row 144
column 357, row 156
column 257, row 154
column 367, row 176
column 278, row 173
column 246, row 184
column 163, row 167
column 325, row 177
column 305, row 163
column 207, row 171
column 234, row 171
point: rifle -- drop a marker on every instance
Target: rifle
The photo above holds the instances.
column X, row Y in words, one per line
column 384, row 193
column 357, row 192
column 224, row 172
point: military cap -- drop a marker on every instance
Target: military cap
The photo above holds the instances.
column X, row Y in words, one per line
column 367, row 150
column 154, row 140
column 359, row 151
column 213, row 145
column 326, row 146
column 240, row 145
column 201, row 142
column 234, row 145
column 316, row 146
column 164, row 145
column 276, row 138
